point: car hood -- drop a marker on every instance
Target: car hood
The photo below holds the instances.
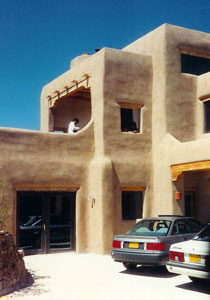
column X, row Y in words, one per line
column 192, row 246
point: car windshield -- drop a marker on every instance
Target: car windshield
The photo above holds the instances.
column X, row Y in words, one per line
column 203, row 235
column 151, row 228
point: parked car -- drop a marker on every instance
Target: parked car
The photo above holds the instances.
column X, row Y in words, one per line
column 192, row 258
column 148, row 242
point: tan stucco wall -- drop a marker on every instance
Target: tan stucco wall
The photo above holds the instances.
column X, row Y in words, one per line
column 89, row 161
column 126, row 77
column 46, row 161
column 177, row 112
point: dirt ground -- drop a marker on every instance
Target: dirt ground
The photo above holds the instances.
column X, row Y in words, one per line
column 70, row 276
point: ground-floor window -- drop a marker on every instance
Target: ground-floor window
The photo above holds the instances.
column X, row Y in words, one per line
column 132, row 204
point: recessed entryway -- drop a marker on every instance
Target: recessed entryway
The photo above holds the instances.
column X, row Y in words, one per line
column 45, row 221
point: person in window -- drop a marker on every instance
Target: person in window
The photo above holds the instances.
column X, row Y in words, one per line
column 134, row 128
column 72, row 126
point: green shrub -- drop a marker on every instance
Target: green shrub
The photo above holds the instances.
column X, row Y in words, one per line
column 5, row 211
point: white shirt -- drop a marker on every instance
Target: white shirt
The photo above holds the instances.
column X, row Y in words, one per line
column 72, row 128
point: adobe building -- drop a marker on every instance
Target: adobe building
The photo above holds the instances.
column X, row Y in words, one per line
column 76, row 191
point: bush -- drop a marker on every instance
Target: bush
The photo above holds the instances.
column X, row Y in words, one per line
column 5, row 211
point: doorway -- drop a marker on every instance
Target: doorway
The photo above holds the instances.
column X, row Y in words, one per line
column 189, row 199
column 45, row 221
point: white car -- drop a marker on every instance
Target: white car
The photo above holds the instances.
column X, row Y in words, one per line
column 192, row 257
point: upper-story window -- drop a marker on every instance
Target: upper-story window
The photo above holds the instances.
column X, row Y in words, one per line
column 193, row 64
column 207, row 115
column 130, row 118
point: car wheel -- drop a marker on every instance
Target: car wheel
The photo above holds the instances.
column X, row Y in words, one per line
column 199, row 280
column 129, row 266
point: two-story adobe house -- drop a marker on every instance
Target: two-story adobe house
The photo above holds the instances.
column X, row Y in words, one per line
column 75, row 191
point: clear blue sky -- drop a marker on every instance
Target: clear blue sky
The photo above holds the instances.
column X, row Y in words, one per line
column 38, row 38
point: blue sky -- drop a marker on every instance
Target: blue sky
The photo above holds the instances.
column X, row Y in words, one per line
column 39, row 38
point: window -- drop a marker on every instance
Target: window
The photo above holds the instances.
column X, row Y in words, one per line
column 132, row 204
column 186, row 226
column 204, row 235
column 130, row 117
column 196, row 65
column 130, row 120
column 151, row 228
column 180, row 227
column 207, row 115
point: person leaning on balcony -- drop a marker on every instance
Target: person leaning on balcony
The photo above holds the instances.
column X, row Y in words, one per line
column 72, row 126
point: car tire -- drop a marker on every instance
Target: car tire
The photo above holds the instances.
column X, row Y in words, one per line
column 129, row 266
column 199, row 280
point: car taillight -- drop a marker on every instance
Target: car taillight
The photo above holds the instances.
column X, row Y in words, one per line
column 116, row 244
column 178, row 256
column 155, row 246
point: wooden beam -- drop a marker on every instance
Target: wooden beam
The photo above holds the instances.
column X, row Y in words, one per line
column 177, row 170
column 45, row 187
column 129, row 105
column 80, row 92
column 132, row 188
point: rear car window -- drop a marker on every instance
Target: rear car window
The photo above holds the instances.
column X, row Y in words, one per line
column 151, row 228
column 195, row 226
column 186, row 226
column 203, row 235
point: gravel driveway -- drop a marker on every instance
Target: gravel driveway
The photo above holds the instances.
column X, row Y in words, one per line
column 70, row 276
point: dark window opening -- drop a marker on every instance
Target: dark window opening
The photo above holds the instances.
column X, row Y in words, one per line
column 194, row 64
column 207, row 116
column 132, row 205
column 45, row 221
column 130, row 120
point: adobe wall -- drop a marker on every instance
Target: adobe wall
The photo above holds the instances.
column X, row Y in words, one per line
column 120, row 159
column 129, row 153
column 161, row 202
column 177, row 112
column 32, row 160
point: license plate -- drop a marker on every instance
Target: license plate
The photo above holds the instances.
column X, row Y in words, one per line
column 133, row 245
column 194, row 258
